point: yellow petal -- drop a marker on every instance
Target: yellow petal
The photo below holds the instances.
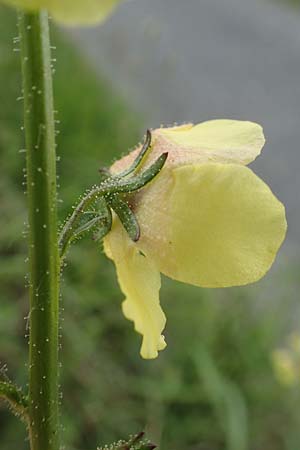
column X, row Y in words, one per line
column 224, row 141
column 139, row 280
column 76, row 12
column 231, row 141
column 211, row 225
column 71, row 12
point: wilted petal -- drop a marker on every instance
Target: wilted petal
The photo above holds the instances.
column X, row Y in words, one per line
column 211, row 225
column 139, row 279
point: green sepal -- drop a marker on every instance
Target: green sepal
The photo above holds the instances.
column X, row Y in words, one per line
column 125, row 215
column 119, row 186
column 105, row 173
column 98, row 221
column 103, row 221
column 139, row 158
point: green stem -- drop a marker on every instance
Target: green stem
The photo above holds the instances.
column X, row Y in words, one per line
column 43, row 246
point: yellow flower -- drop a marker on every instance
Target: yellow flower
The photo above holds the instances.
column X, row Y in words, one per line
column 284, row 367
column 70, row 12
column 206, row 219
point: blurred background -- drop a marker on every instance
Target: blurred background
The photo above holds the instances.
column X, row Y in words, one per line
column 230, row 376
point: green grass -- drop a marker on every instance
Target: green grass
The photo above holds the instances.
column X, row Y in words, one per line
column 213, row 388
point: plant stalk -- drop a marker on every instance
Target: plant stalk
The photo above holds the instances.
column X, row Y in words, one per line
column 43, row 245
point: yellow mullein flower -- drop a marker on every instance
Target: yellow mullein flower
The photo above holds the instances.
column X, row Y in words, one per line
column 70, row 12
column 206, row 219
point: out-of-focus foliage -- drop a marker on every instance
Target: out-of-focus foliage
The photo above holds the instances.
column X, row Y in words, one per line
column 290, row 2
column 213, row 388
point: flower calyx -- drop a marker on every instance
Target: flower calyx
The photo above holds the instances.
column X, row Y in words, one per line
column 94, row 211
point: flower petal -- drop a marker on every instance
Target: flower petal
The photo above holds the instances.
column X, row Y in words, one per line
column 211, row 225
column 139, row 280
column 225, row 141
column 76, row 12
column 71, row 12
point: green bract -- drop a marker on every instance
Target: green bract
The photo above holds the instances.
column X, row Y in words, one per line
column 70, row 12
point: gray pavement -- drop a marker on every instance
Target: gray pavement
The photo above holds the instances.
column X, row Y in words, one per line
column 193, row 60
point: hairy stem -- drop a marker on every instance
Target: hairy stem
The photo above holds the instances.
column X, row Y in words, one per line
column 15, row 399
column 43, row 246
